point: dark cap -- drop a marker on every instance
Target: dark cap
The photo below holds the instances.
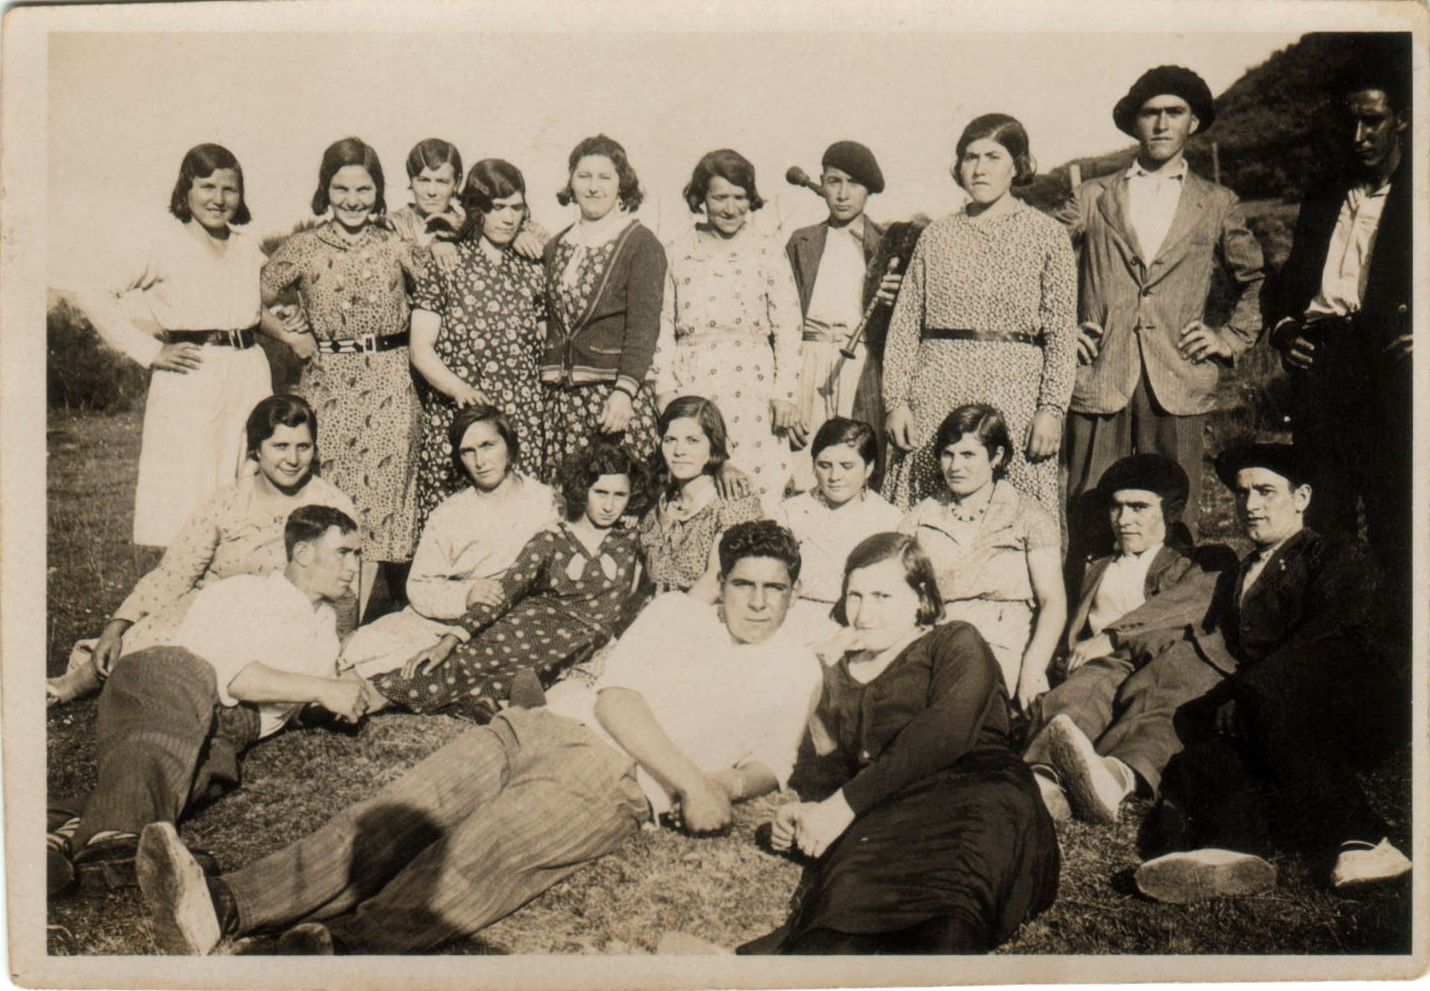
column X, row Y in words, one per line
column 1283, row 459
column 858, row 161
column 1165, row 80
column 1149, row 473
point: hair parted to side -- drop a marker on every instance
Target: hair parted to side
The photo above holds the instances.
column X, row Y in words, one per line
column 490, row 180
column 759, row 538
column 200, row 162
column 339, row 155
column 308, row 523
column 852, row 433
column 433, row 153
column 481, row 413
column 918, row 572
column 983, row 422
column 728, row 164
column 629, row 192
column 1008, row 132
column 280, row 411
column 586, row 466
column 712, row 423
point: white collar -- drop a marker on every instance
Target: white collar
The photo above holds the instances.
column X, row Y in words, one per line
column 1146, row 555
column 1136, row 171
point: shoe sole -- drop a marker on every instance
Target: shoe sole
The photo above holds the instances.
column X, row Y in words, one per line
column 1181, row 878
column 1074, row 758
column 172, row 882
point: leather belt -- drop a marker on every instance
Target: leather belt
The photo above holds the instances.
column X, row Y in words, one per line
column 367, row 344
column 239, row 339
column 961, row 334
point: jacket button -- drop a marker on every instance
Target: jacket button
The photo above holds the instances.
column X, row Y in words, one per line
column 864, row 755
column 1146, row 292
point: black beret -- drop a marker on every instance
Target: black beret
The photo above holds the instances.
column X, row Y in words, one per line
column 858, row 161
column 1165, row 80
column 1283, row 459
column 1150, row 473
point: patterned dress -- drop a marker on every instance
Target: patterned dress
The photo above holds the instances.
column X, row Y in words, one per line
column 491, row 336
column 677, row 552
column 559, row 604
column 730, row 332
column 369, row 420
column 571, row 413
column 1010, row 273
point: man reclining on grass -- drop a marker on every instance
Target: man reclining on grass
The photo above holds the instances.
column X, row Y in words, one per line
column 173, row 720
column 1115, row 708
column 698, row 706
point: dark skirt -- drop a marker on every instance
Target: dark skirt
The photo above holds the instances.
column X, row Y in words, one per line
column 953, row 864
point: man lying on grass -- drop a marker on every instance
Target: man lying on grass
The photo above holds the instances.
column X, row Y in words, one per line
column 251, row 652
column 698, row 706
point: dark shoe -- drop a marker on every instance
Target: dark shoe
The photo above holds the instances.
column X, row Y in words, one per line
column 174, row 888
column 59, row 868
column 526, row 691
column 1179, row 878
column 108, row 865
column 307, row 939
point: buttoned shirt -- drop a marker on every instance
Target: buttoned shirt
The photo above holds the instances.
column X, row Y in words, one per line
column 1254, row 564
column 246, row 619
column 1122, row 589
column 837, row 296
column 1152, row 203
column 1348, row 257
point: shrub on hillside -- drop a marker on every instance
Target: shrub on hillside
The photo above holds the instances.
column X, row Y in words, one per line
column 81, row 373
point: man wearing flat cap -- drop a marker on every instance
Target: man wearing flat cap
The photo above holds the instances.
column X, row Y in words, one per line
column 1150, row 238
column 1308, row 697
column 1122, row 687
column 830, row 260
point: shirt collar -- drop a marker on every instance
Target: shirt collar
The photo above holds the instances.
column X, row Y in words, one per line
column 1146, row 555
column 1136, row 171
column 855, row 228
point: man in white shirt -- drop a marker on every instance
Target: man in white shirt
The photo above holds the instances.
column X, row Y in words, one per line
column 251, row 652
column 1122, row 697
column 698, row 706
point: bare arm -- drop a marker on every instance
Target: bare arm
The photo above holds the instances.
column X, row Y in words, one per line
column 259, row 683
column 1045, row 570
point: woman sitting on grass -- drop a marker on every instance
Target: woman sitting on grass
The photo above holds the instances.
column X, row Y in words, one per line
column 565, row 596
column 239, row 531
column 930, row 836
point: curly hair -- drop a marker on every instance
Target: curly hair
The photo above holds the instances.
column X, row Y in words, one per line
column 729, row 165
column 918, row 572
column 629, row 191
column 490, row 180
column 759, row 538
column 585, row 467
column 200, row 162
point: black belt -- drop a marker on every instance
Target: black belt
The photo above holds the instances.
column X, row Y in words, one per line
column 239, row 339
column 367, row 344
column 961, row 334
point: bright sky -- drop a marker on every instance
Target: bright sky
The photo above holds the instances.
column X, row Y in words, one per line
column 125, row 107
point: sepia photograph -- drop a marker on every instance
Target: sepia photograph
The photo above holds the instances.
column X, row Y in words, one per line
column 669, row 495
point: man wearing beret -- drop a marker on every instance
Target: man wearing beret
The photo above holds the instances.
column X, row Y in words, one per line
column 1150, row 237
column 1122, row 688
column 830, row 260
column 1340, row 316
column 1308, row 696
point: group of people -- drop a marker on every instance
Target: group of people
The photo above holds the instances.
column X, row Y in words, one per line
column 679, row 526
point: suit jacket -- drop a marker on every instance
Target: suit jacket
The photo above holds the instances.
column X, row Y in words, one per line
column 1142, row 308
column 806, row 247
column 1169, row 566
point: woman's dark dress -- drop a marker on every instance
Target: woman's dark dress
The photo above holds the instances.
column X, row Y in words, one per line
column 951, row 849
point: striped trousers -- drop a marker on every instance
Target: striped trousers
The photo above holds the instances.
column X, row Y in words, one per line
column 470, row 834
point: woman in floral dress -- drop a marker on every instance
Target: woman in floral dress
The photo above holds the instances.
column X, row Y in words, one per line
column 349, row 270
column 477, row 329
column 987, row 314
column 730, row 324
column 604, row 276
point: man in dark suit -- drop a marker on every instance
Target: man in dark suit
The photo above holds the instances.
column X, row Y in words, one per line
column 1123, row 695
column 1149, row 238
column 1272, row 752
column 1342, row 321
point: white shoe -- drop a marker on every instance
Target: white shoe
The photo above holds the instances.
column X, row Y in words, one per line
column 1055, row 800
column 1365, row 864
column 1093, row 787
column 174, row 888
column 1194, row 875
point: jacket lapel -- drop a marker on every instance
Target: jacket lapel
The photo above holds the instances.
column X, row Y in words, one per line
column 1090, row 582
column 1189, row 210
column 1112, row 204
column 873, row 234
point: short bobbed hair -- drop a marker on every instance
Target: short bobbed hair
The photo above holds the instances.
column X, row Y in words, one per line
column 280, row 411
column 490, row 180
column 629, row 191
column 200, row 162
column 1008, row 132
column 585, row 467
column 308, row 523
column 703, row 412
column 728, row 164
column 759, row 538
column 433, row 153
column 466, row 417
column 983, row 422
column 339, row 155
column 918, row 572
column 842, row 430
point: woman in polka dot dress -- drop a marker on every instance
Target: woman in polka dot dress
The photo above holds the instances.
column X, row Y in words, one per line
column 563, row 598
